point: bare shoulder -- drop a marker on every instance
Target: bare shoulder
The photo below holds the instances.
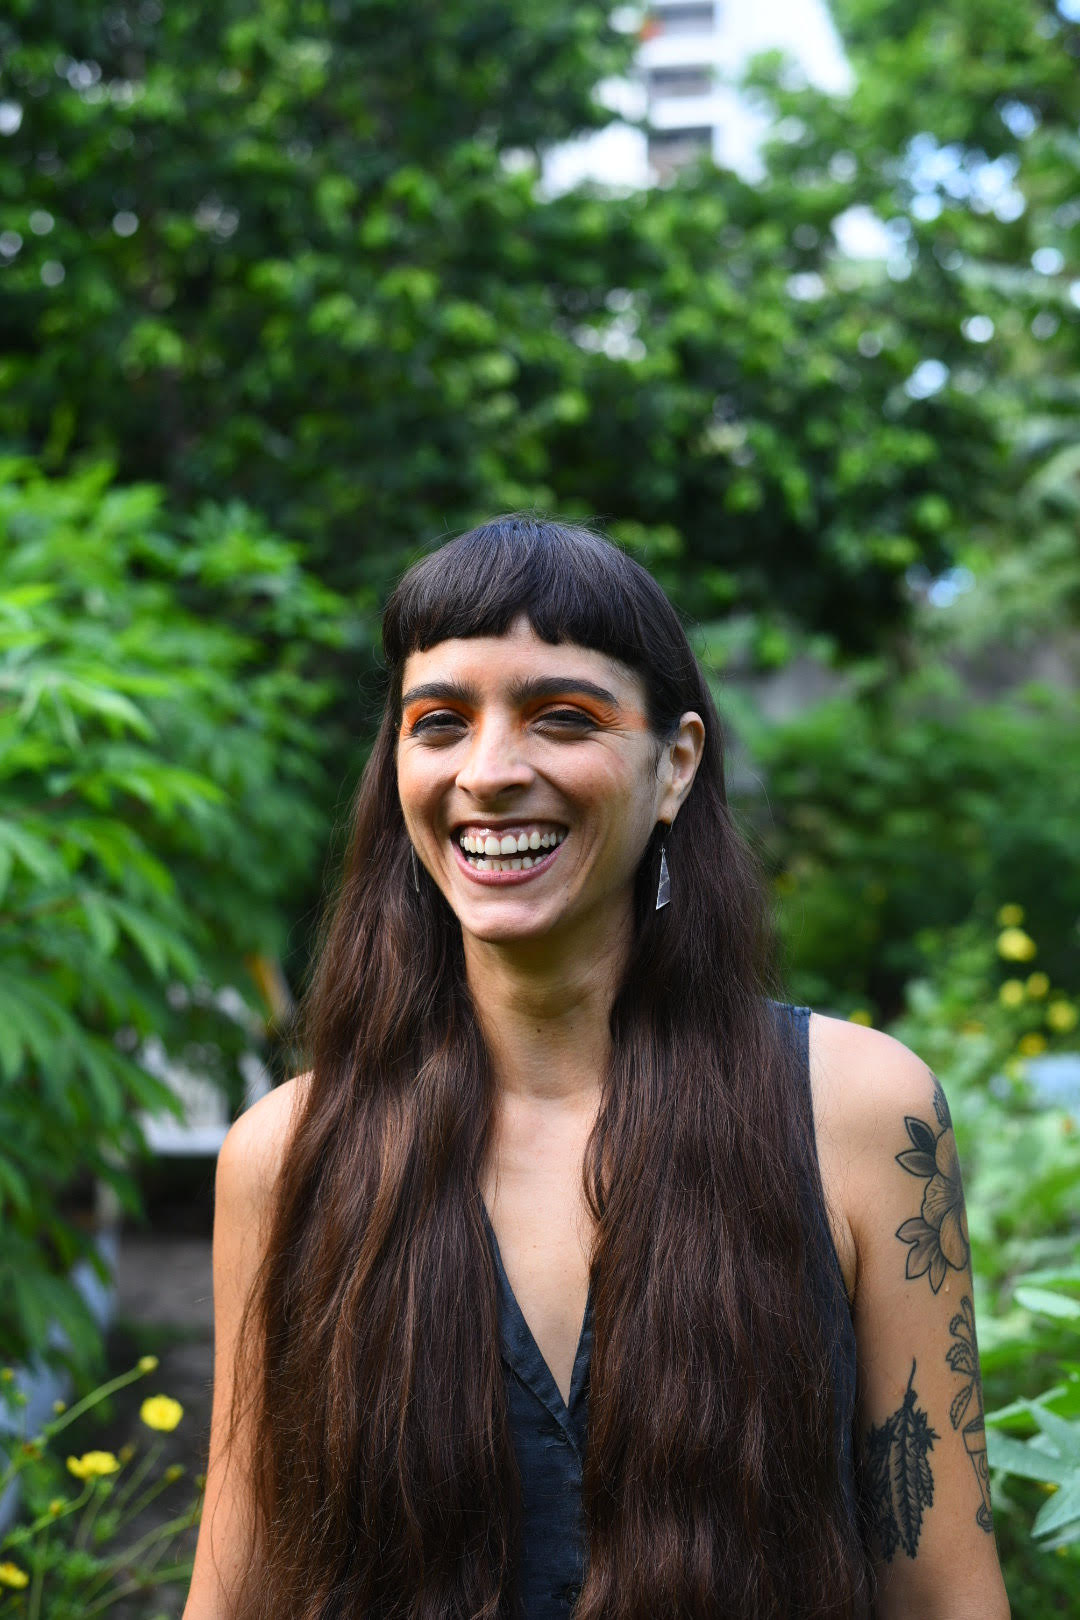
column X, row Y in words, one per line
column 256, row 1142
column 259, row 1136
column 864, row 1082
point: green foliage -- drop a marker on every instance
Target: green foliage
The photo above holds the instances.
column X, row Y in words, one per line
column 60, row 1561
column 978, row 1025
column 306, row 260
column 1052, row 1455
column 905, row 807
column 157, row 748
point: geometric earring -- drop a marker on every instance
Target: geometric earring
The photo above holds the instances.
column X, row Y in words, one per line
column 663, row 892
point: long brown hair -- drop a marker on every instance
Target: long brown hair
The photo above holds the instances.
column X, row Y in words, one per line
column 383, row 1476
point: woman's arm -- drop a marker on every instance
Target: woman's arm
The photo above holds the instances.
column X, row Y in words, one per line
column 922, row 1447
column 248, row 1166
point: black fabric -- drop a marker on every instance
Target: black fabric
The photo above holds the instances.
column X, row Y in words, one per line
column 549, row 1435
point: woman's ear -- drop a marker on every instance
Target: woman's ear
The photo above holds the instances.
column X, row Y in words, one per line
column 681, row 756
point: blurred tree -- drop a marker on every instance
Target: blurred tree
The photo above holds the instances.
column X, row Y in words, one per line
column 961, row 133
column 908, row 804
column 300, row 256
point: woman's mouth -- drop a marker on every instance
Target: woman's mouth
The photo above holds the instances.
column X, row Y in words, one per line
column 507, row 855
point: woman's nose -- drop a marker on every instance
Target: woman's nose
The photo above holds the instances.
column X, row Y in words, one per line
column 495, row 759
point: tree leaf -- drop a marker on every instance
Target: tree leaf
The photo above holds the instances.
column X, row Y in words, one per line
column 1048, row 1303
column 1024, row 1459
column 1062, row 1509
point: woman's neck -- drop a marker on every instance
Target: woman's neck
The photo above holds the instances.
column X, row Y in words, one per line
column 544, row 1011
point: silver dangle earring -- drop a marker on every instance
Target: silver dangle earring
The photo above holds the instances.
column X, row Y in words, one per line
column 663, row 892
column 415, row 868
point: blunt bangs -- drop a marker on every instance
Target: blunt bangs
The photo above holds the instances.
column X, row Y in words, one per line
column 573, row 585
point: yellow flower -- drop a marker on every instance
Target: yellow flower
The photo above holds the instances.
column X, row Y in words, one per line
column 861, row 1016
column 56, row 1505
column 161, row 1412
column 92, row 1464
column 174, row 1471
column 147, row 1364
column 1010, row 916
column 12, row 1575
column 1011, row 993
column 1016, row 946
column 1062, row 1016
column 1031, row 1045
column 1037, row 986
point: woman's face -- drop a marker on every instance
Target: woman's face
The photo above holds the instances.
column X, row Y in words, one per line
column 543, row 752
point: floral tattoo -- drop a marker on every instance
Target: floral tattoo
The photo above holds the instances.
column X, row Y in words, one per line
column 938, row 1235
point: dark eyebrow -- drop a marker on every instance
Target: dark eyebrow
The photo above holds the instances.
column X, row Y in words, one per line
column 520, row 691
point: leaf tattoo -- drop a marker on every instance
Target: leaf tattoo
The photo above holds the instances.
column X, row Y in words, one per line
column 941, row 1107
column 938, row 1234
column 963, row 1357
column 898, row 1484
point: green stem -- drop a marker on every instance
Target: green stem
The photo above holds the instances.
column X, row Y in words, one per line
column 92, row 1507
column 34, row 1610
column 121, row 1381
column 149, row 1495
column 27, row 1530
column 121, row 1559
column 137, row 1476
column 175, row 1572
column 95, row 1396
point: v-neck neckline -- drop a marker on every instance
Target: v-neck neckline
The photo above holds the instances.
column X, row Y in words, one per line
column 524, row 1356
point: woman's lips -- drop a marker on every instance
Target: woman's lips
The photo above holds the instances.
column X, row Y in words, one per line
column 493, row 879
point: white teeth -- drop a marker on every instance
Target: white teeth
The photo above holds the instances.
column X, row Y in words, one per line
column 492, row 849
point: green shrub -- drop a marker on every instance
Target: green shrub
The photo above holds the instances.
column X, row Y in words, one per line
column 159, row 695
column 61, row 1561
column 981, row 1013
column 893, row 811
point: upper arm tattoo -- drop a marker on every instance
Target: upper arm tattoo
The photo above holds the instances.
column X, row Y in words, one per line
column 938, row 1235
column 897, row 1483
column 938, row 1239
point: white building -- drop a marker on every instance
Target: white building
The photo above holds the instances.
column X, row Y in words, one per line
column 690, row 52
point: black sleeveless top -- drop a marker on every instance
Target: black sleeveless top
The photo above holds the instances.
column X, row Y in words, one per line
column 549, row 1434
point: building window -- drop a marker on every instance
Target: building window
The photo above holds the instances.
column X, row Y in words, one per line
column 669, row 149
column 680, row 81
column 682, row 19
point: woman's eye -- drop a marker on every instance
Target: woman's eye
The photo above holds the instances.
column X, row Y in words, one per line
column 440, row 720
column 566, row 717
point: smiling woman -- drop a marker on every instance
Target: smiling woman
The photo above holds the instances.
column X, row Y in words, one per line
column 573, row 1272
